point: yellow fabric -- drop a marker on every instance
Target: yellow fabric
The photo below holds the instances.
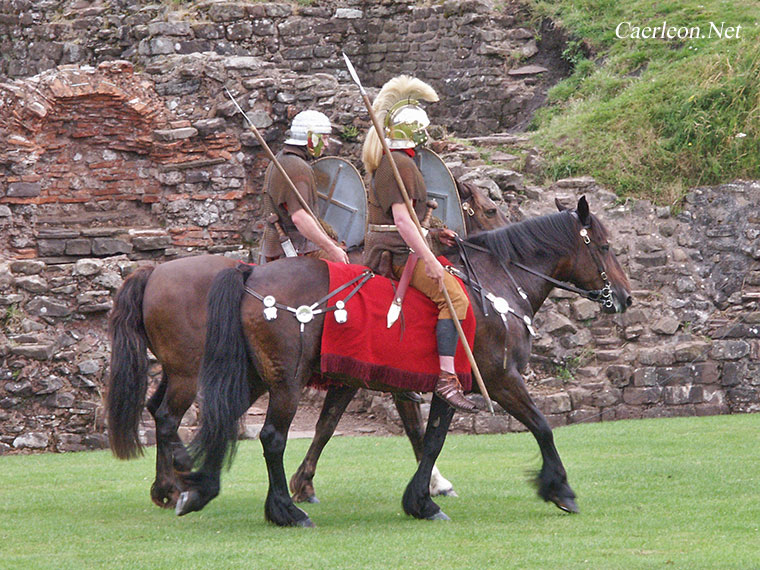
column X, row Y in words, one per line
column 429, row 288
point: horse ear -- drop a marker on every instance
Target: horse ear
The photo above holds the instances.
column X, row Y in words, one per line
column 559, row 205
column 465, row 190
column 584, row 215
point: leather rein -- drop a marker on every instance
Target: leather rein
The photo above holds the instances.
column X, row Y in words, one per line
column 602, row 296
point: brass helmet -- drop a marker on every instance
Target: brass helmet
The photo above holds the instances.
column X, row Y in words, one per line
column 405, row 125
column 398, row 106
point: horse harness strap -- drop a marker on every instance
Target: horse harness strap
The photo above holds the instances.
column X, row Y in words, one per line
column 500, row 305
column 306, row 313
column 605, row 294
column 471, row 274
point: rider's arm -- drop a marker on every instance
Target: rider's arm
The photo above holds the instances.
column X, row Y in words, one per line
column 311, row 231
column 411, row 235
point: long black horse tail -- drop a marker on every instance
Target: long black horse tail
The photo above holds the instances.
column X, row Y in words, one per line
column 225, row 393
column 128, row 378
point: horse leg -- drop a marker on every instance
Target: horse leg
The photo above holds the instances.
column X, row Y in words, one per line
column 163, row 490
column 335, row 404
column 408, row 406
column 279, row 508
column 198, row 488
column 551, row 481
column 417, row 501
column 175, row 394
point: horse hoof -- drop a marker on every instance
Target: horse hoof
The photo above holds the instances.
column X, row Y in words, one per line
column 187, row 503
column 306, row 523
column 439, row 516
column 568, row 505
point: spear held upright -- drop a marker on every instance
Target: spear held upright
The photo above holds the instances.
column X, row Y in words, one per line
column 413, row 215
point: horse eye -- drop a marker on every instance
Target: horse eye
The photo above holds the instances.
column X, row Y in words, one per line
column 491, row 212
column 604, row 247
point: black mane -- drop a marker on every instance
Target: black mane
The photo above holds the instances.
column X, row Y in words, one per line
column 535, row 237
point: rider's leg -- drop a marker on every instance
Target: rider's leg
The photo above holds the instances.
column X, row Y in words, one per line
column 447, row 386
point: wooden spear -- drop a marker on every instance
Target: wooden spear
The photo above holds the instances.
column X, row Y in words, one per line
column 413, row 215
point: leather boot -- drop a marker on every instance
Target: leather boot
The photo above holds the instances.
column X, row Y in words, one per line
column 449, row 388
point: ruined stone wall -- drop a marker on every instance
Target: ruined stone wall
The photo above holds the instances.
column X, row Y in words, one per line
column 690, row 344
column 95, row 146
column 129, row 153
column 484, row 60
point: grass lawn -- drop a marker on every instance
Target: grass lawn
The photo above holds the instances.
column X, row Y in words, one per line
column 668, row 493
column 652, row 117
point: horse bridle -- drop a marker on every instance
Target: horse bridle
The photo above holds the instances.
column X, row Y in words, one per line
column 602, row 296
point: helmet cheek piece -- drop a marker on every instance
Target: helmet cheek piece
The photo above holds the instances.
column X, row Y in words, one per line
column 420, row 137
column 315, row 142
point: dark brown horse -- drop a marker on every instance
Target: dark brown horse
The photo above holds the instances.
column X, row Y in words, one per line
column 480, row 213
column 164, row 308
column 532, row 256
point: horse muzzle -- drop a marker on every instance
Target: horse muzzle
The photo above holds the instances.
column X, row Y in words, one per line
column 616, row 302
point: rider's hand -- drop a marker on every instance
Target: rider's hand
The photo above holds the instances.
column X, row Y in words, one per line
column 435, row 270
column 337, row 255
column 446, row 236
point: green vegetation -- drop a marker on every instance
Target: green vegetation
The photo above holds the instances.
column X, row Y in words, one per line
column 349, row 133
column 667, row 493
column 10, row 320
column 652, row 117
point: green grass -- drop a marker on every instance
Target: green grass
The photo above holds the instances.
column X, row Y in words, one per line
column 650, row 118
column 675, row 493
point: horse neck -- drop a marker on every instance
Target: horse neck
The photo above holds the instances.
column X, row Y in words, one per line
column 494, row 279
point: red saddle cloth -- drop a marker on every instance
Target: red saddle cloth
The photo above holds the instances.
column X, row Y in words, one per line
column 364, row 348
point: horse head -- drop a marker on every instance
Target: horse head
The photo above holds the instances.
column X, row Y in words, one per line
column 480, row 212
column 594, row 266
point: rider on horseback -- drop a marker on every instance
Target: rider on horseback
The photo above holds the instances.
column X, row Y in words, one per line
column 390, row 226
column 308, row 138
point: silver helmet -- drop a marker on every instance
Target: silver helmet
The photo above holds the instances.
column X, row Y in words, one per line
column 307, row 129
column 406, row 124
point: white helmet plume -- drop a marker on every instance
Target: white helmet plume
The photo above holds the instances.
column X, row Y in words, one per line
column 396, row 90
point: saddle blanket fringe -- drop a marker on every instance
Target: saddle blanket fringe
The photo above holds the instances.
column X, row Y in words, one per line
column 404, row 356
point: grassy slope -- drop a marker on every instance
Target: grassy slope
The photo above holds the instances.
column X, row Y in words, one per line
column 651, row 118
column 676, row 493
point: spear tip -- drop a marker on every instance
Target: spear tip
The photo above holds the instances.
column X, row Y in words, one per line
column 354, row 75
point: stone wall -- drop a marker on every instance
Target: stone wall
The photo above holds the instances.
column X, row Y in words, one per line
column 690, row 344
column 485, row 61
column 92, row 149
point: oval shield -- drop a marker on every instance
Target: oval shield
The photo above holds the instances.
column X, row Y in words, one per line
column 341, row 198
column 442, row 187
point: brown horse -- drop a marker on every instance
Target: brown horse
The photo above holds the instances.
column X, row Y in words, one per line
column 164, row 308
column 531, row 256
